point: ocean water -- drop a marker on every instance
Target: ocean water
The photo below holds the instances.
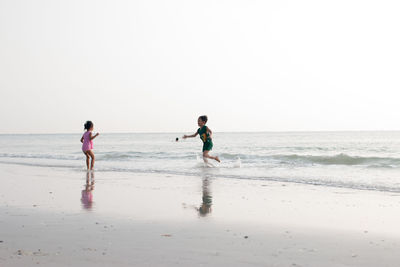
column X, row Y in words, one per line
column 357, row 160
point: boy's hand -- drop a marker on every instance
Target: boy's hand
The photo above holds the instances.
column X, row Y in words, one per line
column 184, row 137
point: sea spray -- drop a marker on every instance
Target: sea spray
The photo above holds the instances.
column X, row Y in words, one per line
column 238, row 163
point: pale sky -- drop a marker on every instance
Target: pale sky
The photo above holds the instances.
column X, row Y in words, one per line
column 155, row 66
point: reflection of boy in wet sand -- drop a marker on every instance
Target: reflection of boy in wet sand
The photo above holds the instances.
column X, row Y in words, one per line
column 87, row 196
column 206, row 204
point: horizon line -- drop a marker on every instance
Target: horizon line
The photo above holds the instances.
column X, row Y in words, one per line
column 170, row 132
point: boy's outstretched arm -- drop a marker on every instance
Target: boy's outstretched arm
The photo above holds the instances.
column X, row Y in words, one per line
column 188, row 136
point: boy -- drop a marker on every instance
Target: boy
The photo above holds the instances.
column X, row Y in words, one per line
column 205, row 136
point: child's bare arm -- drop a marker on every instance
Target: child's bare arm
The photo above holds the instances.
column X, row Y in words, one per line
column 94, row 136
column 189, row 136
column 209, row 132
column 82, row 139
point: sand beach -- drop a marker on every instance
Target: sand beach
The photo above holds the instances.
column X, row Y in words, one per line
column 58, row 217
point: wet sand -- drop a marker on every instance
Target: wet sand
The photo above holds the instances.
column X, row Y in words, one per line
column 59, row 217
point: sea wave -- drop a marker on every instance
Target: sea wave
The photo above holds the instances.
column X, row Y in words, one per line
column 40, row 156
column 340, row 159
column 250, row 160
column 131, row 155
column 306, row 160
column 106, row 156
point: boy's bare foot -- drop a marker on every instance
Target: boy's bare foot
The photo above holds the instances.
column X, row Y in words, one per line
column 217, row 159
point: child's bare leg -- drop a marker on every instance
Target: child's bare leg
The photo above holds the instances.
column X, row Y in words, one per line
column 87, row 159
column 205, row 155
column 90, row 152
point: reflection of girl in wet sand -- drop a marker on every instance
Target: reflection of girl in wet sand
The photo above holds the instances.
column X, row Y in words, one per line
column 87, row 196
column 206, row 204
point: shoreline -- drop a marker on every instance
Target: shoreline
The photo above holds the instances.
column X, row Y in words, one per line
column 261, row 179
column 163, row 220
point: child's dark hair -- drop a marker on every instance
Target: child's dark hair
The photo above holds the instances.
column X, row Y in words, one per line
column 88, row 125
column 203, row 118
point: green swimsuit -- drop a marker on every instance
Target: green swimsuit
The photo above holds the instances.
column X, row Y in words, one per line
column 205, row 137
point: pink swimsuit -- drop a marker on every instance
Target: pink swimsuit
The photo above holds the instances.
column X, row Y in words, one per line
column 87, row 143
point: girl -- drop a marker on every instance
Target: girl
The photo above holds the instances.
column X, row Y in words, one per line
column 87, row 143
column 205, row 136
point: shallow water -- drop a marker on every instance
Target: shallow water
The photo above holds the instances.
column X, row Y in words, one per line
column 360, row 160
